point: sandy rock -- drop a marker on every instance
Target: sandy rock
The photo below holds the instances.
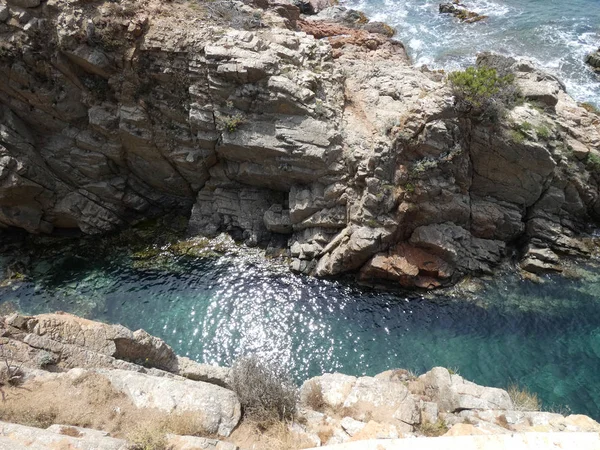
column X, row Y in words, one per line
column 352, row 426
column 17, row 437
column 375, row 430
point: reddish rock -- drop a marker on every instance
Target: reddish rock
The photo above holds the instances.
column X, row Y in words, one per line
column 409, row 266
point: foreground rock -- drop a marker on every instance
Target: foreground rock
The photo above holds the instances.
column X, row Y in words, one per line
column 398, row 404
column 136, row 364
column 529, row 441
column 109, row 403
column 218, row 408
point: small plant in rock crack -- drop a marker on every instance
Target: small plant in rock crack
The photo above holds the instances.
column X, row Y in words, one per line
column 266, row 392
column 231, row 123
column 10, row 373
column 483, row 92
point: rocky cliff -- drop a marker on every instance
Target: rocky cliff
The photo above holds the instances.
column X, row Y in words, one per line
column 310, row 133
column 68, row 382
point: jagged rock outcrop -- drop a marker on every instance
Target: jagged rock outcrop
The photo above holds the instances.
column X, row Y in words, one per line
column 593, row 59
column 325, row 141
column 461, row 12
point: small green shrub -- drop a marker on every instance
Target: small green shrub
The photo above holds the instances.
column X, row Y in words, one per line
column 518, row 136
column 526, row 126
column 481, row 91
column 267, row 394
column 543, row 132
column 231, row 123
column 593, row 161
column 433, row 429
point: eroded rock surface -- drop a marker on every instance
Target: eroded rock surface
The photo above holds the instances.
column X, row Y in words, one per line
column 312, row 134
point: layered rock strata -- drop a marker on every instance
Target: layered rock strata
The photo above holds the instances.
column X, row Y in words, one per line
column 324, row 141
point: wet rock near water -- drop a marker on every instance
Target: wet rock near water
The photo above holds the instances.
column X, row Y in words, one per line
column 593, row 60
column 461, row 12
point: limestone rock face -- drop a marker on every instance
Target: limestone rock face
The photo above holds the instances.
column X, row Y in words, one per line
column 454, row 393
column 313, row 133
column 219, row 408
column 365, row 399
column 20, row 437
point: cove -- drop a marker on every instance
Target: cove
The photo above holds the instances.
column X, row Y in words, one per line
column 545, row 337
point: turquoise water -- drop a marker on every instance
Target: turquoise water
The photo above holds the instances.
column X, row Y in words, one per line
column 542, row 336
column 556, row 34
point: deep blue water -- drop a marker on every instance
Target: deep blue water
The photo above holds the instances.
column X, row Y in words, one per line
column 555, row 34
column 545, row 337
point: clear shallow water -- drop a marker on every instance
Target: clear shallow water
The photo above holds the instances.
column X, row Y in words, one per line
column 545, row 337
column 555, row 34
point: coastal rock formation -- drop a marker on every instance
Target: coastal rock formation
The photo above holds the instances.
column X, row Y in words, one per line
column 316, row 135
column 103, row 403
column 593, row 59
column 461, row 12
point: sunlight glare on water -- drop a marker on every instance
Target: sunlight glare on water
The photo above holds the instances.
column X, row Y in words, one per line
column 545, row 337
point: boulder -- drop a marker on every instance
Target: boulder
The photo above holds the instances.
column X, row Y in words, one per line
column 454, row 393
column 367, row 398
column 218, row 407
column 4, row 13
column 593, row 59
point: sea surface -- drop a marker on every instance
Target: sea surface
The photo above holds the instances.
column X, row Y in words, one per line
column 545, row 337
column 555, row 34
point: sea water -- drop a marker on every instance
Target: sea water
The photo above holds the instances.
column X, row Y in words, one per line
column 555, row 34
column 544, row 337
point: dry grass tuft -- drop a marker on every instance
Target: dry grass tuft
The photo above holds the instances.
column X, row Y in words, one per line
column 147, row 436
column 314, row 396
column 276, row 436
column 70, row 431
column 90, row 401
column 501, row 421
column 522, row 399
column 325, row 433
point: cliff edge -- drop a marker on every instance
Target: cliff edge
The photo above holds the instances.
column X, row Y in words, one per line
column 68, row 382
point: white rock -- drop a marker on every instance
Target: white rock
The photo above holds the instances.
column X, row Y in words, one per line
column 218, row 407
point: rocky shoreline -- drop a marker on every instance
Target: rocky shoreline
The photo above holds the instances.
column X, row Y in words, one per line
column 310, row 133
column 105, row 381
